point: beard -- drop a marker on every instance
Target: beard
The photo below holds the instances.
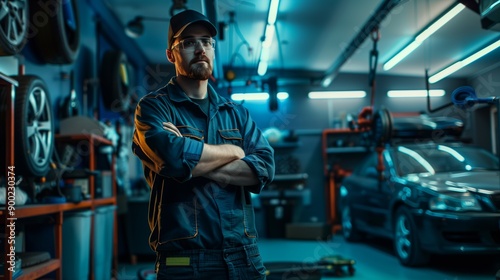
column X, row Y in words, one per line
column 200, row 71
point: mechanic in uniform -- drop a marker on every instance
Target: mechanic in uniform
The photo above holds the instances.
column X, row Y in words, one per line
column 203, row 156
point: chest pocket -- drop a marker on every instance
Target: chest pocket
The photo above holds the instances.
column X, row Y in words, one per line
column 231, row 136
column 191, row 132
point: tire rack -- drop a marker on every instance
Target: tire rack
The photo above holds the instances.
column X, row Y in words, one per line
column 53, row 265
column 10, row 85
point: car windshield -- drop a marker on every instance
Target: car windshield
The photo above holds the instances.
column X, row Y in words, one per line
column 442, row 158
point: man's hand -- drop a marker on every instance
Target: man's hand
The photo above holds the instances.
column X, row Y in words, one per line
column 239, row 153
column 172, row 128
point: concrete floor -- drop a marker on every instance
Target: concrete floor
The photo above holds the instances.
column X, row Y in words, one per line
column 374, row 261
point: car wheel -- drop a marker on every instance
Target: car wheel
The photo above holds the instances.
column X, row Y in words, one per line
column 55, row 31
column 406, row 243
column 115, row 84
column 13, row 26
column 34, row 130
column 349, row 229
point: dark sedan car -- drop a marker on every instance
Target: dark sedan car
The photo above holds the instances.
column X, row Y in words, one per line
column 429, row 198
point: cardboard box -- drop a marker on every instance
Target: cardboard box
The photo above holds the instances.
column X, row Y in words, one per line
column 308, row 231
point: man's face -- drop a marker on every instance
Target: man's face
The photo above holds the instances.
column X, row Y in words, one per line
column 195, row 63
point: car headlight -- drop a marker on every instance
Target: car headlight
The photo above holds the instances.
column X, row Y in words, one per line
column 456, row 202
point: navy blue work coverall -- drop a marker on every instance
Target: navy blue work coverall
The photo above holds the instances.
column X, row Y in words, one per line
column 198, row 225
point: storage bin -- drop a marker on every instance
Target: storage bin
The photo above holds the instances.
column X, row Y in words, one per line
column 76, row 244
column 104, row 221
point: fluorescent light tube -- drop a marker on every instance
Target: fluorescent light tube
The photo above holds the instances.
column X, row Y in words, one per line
column 462, row 63
column 283, row 95
column 257, row 96
column 326, row 82
column 439, row 23
column 268, row 37
column 264, row 54
column 250, row 96
column 481, row 53
column 264, row 57
column 273, row 11
column 422, row 36
column 401, row 55
column 336, row 94
column 415, row 93
column 262, row 68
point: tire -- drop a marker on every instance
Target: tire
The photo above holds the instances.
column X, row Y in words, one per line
column 406, row 243
column 115, row 86
column 13, row 26
column 349, row 228
column 55, row 30
column 34, row 129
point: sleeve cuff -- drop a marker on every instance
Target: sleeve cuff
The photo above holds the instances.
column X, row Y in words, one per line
column 261, row 173
column 192, row 150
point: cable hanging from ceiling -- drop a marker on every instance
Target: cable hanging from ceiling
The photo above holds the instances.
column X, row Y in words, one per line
column 236, row 52
column 233, row 54
column 373, row 62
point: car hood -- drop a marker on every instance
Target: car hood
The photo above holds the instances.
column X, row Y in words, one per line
column 476, row 181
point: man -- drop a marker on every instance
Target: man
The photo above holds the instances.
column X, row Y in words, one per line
column 202, row 156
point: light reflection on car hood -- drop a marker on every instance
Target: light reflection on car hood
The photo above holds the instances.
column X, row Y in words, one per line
column 477, row 181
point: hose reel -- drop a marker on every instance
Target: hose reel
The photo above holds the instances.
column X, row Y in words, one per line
column 382, row 127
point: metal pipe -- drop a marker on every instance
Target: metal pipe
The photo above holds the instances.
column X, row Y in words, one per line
column 373, row 22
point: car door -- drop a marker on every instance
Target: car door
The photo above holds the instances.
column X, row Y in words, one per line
column 370, row 207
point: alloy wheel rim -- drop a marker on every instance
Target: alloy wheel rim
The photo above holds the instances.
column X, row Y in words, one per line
column 346, row 222
column 403, row 234
column 13, row 20
column 39, row 127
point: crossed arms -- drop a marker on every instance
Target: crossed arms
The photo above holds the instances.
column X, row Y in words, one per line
column 221, row 163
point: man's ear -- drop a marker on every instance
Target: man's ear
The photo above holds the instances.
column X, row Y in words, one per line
column 170, row 55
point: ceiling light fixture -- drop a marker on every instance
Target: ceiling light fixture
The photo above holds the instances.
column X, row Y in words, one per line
column 424, row 34
column 415, row 93
column 135, row 27
column 336, row 94
column 464, row 62
column 268, row 37
column 257, row 96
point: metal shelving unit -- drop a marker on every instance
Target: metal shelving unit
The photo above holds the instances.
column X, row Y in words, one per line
column 58, row 209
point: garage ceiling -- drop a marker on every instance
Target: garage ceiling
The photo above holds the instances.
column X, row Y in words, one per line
column 312, row 35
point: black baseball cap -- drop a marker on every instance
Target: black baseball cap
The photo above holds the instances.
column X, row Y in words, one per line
column 180, row 21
